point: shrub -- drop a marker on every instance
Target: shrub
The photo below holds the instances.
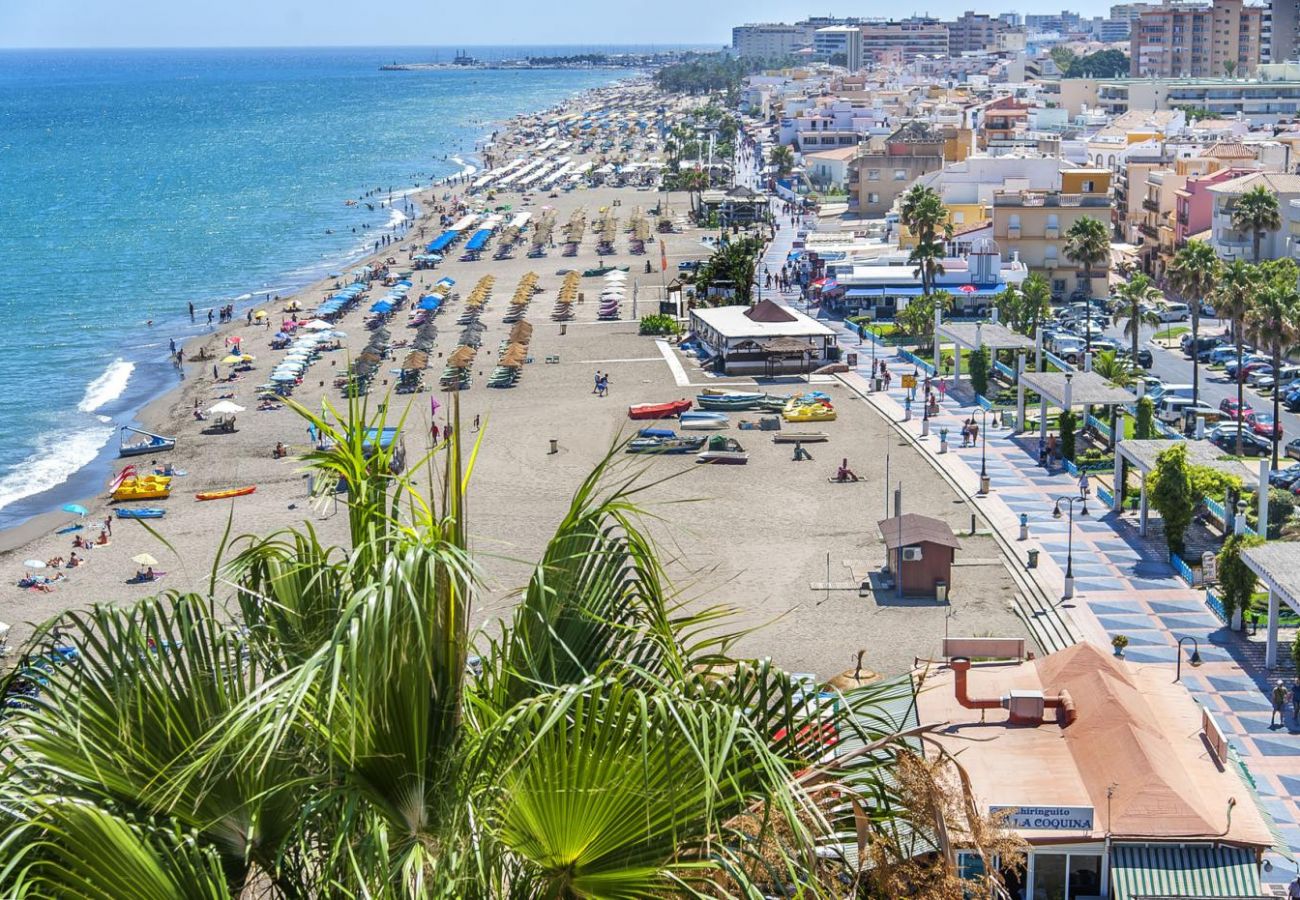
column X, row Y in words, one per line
column 1236, row 580
column 1144, row 426
column 657, row 323
column 1067, row 422
column 1172, row 495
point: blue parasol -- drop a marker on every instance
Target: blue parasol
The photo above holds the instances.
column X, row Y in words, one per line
column 75, row 508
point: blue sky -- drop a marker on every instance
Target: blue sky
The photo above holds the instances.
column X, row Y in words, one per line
column 243, row 23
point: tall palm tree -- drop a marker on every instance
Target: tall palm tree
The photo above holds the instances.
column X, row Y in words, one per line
column 781, row 158
column 1256, row 211
column 1238, row 285
column 1087, row 242
column 1036, row 297
column 1193, row 274
column 308, row 725
column 1137, row 301
column 1273, row 321
column 923, row 212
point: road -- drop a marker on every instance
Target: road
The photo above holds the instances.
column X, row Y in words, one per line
column 1171, row 367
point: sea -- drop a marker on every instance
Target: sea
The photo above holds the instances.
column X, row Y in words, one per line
column 133, row 183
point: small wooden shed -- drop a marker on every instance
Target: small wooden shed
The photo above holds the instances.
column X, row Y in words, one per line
column 921, row 551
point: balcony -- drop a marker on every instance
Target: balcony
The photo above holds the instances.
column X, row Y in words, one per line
column 1013, row 232
column 1052, row 232
column 1040, row 199
column 1148, row 230
column 1151, row 205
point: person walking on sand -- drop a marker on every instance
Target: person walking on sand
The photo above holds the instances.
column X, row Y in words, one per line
column 595, row 388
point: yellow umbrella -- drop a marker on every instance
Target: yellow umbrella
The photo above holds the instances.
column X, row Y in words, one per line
column 232, row 359
column 260, row 314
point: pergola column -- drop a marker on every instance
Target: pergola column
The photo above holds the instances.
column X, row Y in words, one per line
column 938, row 321
column 1117, row 485
column 956, row 363
column 1142, row 513
column 1262, row 493
column 1270, row 651
column 1020, row 391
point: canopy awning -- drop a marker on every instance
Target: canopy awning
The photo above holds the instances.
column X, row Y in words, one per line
column 1158, row 871
column 1086, row 388
column 973, row 335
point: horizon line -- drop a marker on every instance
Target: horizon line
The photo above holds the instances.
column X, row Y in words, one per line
column 455, row 46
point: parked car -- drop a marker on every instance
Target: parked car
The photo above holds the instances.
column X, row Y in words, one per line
column 1255, row 373
column 1292, row 449
column 690, row 265
column 1173, row 312
column 1254, row 359
column 1225, row 438
column 1284, row 380
column 1288, row 477
column 1264, row 425
column 1226, row 353
column 1228, row 406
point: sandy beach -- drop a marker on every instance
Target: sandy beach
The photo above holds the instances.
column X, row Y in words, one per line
column 767, row 538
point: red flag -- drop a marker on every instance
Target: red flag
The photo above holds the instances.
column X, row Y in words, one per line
column 663, row 256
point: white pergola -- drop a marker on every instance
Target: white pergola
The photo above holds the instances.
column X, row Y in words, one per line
column 1277, row 565
column 974, row 335
column 1068, row 390
column 1142, row 455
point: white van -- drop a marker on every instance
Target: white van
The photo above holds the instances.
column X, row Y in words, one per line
column 1173, row 410
column 1169, row 390
column 1173, row 312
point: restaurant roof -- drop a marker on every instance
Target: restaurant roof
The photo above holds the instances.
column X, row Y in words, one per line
column 1086, row 388
column 972, row 335
column 1136, row 731
column 734, row 322
column 911, row 528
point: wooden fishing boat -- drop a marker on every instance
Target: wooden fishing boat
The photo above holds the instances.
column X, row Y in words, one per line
column 658, row 410
column 800, row 437
column 666, row 446
column 147, row 512
column 736, row 401
column 703, row 421
column 229, row 492
column 152, row 443
column 723, row 457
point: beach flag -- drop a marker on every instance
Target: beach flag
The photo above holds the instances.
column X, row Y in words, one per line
column 663, row 256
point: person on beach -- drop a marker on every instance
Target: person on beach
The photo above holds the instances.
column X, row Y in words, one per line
column 108, row 525
column 1084, row 486
column 596, row 386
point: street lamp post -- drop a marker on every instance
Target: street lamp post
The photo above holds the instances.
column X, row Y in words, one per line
column 984, row 446
column 1068, row 593
column 1194, row 659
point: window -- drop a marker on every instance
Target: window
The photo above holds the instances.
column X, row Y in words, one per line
column 873, row 174
column 1053, row 220
column 1067, row 876
column 1058, row 286
column 1088, row 187
column 900, row 174
column 959, row 218
column 873, row 198
column 1013, row 221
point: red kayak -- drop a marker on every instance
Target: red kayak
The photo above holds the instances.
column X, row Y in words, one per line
column 658, row 410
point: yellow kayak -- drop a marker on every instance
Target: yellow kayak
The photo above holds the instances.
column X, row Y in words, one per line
column 222, row 495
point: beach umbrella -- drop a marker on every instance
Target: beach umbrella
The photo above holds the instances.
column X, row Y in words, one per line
column 318, row 325
column 144, row 559
column 75, row 508
column 260, row 314
column 855, row 677
column 283, row 376
column 34, row 564
column 225, row 407
column 232, row 359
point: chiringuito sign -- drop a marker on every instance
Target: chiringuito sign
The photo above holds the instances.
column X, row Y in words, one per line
column 1047, row 818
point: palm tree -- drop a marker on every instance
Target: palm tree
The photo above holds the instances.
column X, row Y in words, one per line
column 923, row 212
column 1088, row 244
column 781, row 158
column 308, row 726
column 1036, row 299
column 1238, row 286
column 1256, row 212
column 1193, row 274
column 1118, row 372
column 1274, row 322
column 1137, row 300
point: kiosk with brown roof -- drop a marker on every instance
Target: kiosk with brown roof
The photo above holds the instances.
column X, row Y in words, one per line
column 921, row 551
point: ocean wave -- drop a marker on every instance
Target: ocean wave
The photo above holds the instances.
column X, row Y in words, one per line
column 107, row 387
column 58, row 455
column 395, row 217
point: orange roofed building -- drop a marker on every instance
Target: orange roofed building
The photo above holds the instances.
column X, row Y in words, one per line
column 1118, row 780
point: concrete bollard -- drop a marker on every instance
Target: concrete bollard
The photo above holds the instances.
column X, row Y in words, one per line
column 555, row 446
column 1024, row 526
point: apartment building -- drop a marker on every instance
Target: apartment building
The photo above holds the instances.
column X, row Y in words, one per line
column 973, row 33
column 885, row 170
column 904, row 40
column 1032, row 225
column 771, row 40
column 1003, row 122
column 1232, row 244
column 1197, row 40
column 1284, row 43
column 840, row 40
column 1259, row 100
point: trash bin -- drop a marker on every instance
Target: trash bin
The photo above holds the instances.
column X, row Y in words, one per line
column 941, row 590
column 851, row 360
column 1032, row 562
column 877, row 384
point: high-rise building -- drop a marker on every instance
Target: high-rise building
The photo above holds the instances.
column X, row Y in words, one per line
column 1197, row 40
column 840, row 40
column 1011, row 18
column 1285, row 37
column 771, row 40
column 974, row 32
column 905, row 39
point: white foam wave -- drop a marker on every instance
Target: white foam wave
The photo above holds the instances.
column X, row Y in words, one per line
column 58, row 455
column 395, row 217
column 107, row 387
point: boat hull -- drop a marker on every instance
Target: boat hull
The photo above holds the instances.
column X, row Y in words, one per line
column 658, row 410
column 146, row 449
column 149, row 513
column 723, row 458
column 805, row 437
column 222, row 495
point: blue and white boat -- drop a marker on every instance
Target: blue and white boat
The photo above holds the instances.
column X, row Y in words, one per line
column 145, row 512
column 152, row 443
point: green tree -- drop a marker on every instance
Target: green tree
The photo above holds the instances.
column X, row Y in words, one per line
column 1256, row 213
column 781, row 158
column 1036, row 299
column 1273, row 321
column 1068, row 424
column 1137, row 307
column 1088, row 243
column 1193, row 275
column 1113, row 368
column 1171, row 495
column 734, row 264
column 924, row 214
column 1063, row 56
column 1144, row 423
column 1236, row 580
column 309, row 726
column 979, row 371
column 1102, row 64
column 1238, row 285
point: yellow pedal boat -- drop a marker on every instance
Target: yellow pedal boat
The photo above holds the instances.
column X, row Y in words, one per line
column 815, row 412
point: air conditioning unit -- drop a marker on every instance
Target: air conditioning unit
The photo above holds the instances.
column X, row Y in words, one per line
column 911, row 554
